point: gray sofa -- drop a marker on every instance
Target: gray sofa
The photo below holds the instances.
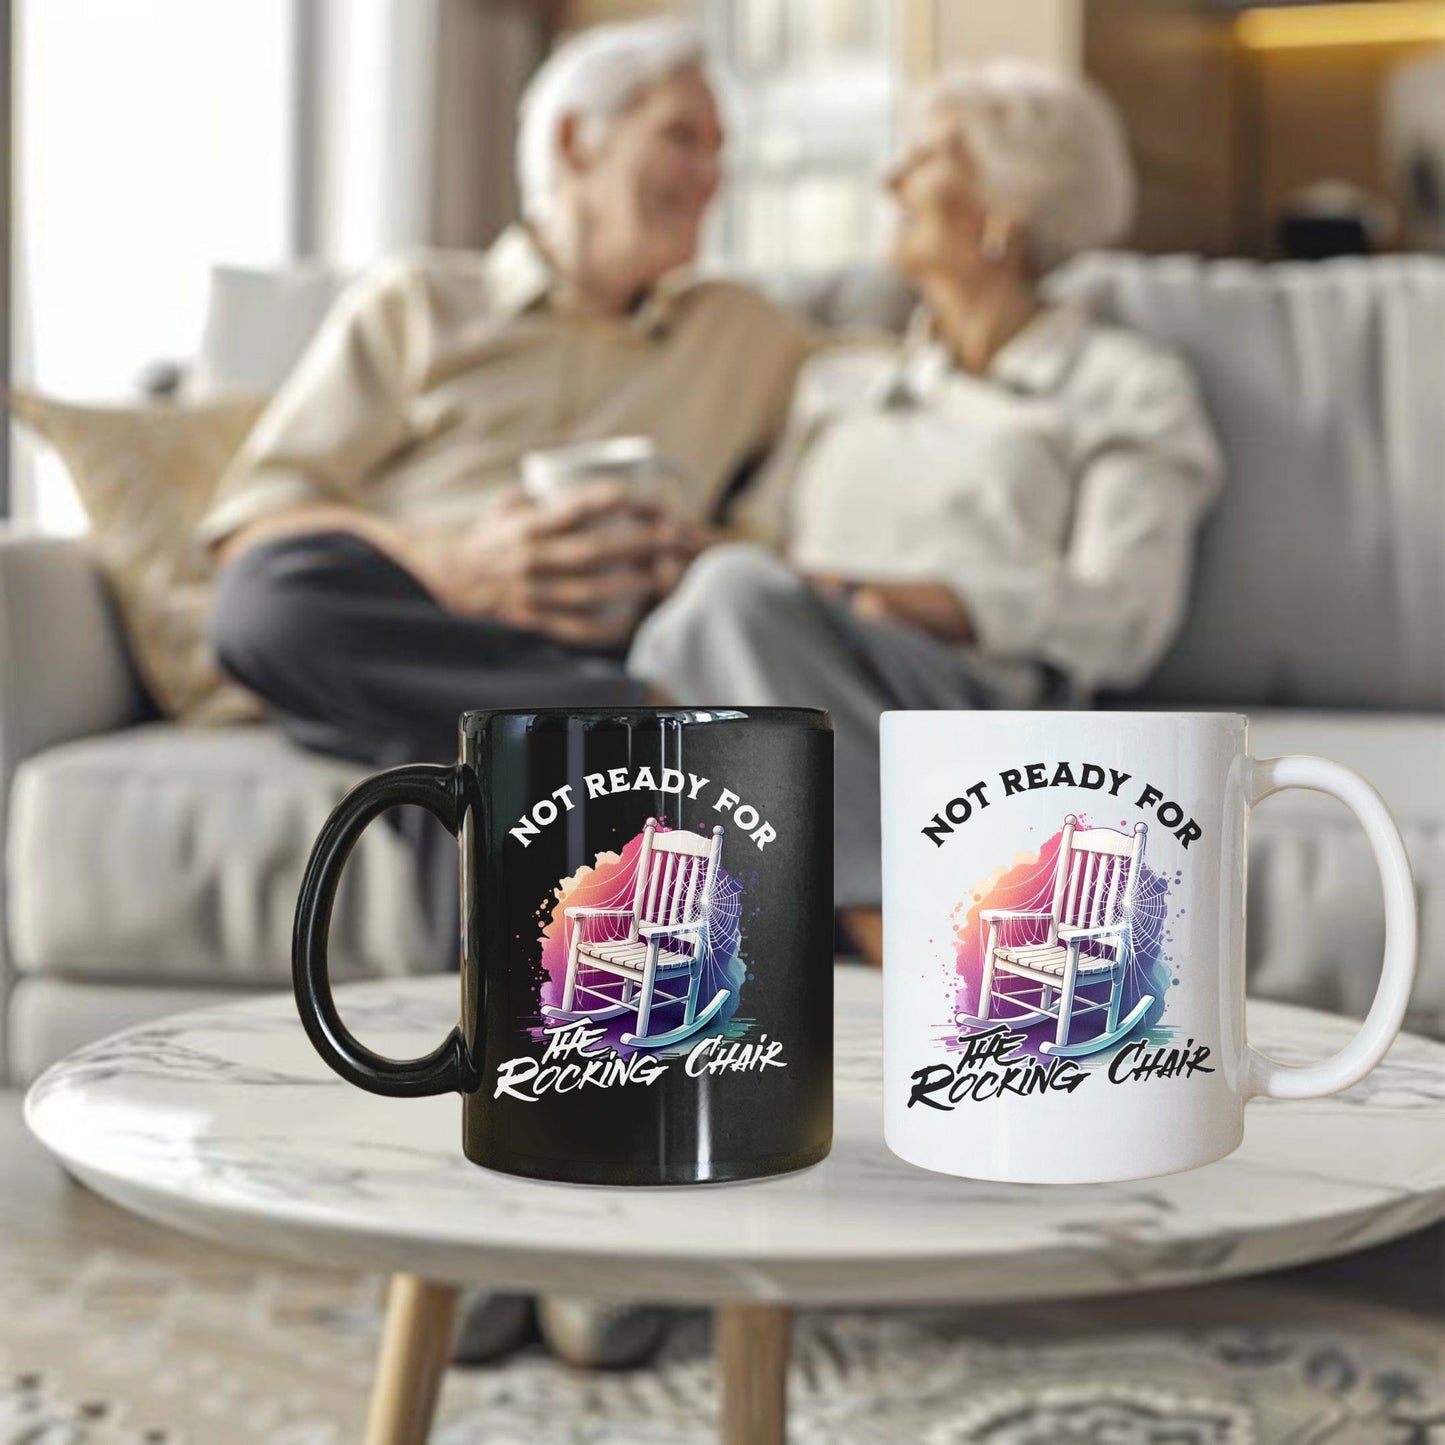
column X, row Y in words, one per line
column 149, row 867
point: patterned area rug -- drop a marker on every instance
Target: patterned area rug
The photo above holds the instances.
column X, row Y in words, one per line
column 113, row 1332
column 105, row 1349
column 1008, row 1378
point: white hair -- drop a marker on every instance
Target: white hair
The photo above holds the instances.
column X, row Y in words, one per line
column 593, row 76
column 1049, row 148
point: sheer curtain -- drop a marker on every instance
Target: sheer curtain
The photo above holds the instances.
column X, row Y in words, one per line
column 417, row 120
column 159, row 138
column 814, row 95
column 152, row 140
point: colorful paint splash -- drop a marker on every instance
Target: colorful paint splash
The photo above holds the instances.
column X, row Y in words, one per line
column 611, row 883
column 1026, row 885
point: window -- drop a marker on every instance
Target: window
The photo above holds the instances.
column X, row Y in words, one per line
column 153, row 141
column 815, row 96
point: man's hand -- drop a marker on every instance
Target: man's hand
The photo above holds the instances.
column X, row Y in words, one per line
column 929, row 607
column 580, row 572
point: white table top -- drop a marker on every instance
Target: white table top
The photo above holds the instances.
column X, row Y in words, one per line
column 223, row 1122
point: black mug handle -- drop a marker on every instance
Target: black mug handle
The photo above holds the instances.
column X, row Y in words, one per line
column 440, row 791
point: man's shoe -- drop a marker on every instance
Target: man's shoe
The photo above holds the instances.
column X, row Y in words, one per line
column 492, row 1325
column 599, row 1334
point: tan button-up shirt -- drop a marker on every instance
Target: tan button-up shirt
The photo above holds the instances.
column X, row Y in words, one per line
column 1058, row 495
column 436, row 372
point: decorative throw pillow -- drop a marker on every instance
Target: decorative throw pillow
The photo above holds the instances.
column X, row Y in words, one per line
column 145, row 475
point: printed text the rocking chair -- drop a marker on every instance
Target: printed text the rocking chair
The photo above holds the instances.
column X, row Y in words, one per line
column 666, row 937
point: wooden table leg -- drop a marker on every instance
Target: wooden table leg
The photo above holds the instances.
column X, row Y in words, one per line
column 416, row 1343
column 752, row 1343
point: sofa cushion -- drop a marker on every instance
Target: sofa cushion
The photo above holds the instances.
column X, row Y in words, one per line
column 146, row 475
column 164, row 853
column 258, row 322
column 1400, row 754
column 171, row 855
column 50, row 1017
column 1316, row 920
column 1321, row 574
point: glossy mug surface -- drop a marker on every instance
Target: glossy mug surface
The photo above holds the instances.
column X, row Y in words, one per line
column 646, row 942
column 1064, row 940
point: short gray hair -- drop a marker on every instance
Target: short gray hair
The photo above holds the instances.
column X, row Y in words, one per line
column 1049, row 147
column 594, row 76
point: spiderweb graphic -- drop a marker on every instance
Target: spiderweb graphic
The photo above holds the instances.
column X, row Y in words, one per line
column 1027, row 886
column 611, row 884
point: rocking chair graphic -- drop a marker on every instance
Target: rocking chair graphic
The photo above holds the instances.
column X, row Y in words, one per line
column 667, row 937
column 1095, row 880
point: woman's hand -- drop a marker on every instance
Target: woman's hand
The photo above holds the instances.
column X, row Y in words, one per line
column 929, row 607
column 679, row 540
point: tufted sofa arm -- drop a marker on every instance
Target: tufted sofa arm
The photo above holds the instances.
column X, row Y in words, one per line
column 65, row 669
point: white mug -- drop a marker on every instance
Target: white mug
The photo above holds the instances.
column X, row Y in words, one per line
column 551, row 474
column 1063, row 939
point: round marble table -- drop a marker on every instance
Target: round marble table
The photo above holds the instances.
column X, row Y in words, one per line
column 224, row 1122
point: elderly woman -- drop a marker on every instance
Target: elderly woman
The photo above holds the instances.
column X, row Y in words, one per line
column 998, row 513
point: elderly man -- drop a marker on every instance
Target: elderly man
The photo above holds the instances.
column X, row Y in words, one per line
column 382, row 571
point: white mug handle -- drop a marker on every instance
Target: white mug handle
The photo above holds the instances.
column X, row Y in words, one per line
column 1382, row 1023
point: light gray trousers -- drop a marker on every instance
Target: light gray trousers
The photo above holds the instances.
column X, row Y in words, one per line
column 744, row 630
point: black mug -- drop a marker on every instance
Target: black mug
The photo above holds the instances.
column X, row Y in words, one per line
column 646, row 941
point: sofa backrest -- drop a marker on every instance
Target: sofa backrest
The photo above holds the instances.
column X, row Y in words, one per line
column 1321, row 575
column 257, row 324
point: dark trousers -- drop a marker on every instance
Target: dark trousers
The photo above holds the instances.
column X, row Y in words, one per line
column 354, row 658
